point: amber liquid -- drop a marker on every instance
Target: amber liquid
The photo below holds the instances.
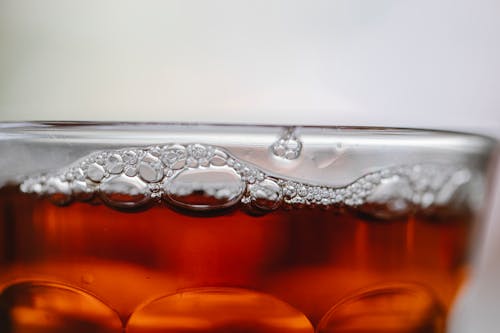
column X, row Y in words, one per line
column 89, row 268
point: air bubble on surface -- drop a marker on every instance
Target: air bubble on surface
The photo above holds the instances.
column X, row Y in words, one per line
column 95, row 172
column 198, row 151
column 114, row 164
column 174, row 157
column 150, row 169
column 389, row 308
column 129, row 157
column 43, row 307
column 218, row 310
column 131, row 171
column 124, row 192
column 288, row 146
column 219, row 158
column 265, row 195
column 386, row 194
column 205, row 188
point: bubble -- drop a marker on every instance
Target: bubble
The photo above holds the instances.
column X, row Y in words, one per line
column 131, row 171
column 100, row 158
column 197, row 151
column 155, row 151
column 389, row 308
column 42, row 307
column 150, row 173
column 427, row 199
column 265, row 195
column 219, row 158
column 218, row 310
column 288, row 146
column 124, row 192
column 150, row 169
column 174, row 157
column 114, row 164
column 205, row 188
column 129, row 157
column 95, row 172
column 289, row 191
column 192, row 162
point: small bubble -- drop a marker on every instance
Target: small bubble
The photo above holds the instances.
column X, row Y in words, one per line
column 150, row 172
column 427, row 199
column 130, row 171
column 100, row 159
column 219, row 158
column 114, row 164
column 197, row 151
column 192, row 162
column 174, row 157
column 79, row 174
column 260, row 176
column 237, row 166
column 69, row 176
column 204, row 162
column 95, row 172
column 168, row 172
column 129, row 157
column 155, row 151
column 302, row 191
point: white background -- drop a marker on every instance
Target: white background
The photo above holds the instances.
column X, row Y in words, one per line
column 420, row 63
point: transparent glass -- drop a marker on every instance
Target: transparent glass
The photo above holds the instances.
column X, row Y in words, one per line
column 136, row 227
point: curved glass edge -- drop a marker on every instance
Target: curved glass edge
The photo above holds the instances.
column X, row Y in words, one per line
column 79, row 129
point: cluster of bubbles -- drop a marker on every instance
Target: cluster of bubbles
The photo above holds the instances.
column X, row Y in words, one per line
column 288, row 146
column 202, row 177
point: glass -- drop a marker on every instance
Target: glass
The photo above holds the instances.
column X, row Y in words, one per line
column 135, row 227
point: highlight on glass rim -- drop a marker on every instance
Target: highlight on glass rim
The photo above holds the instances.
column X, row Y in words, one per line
column 141, row 228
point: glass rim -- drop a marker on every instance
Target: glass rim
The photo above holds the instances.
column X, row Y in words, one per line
column 105, row 125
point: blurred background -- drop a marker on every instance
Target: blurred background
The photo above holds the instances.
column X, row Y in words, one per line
column 424, row 63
